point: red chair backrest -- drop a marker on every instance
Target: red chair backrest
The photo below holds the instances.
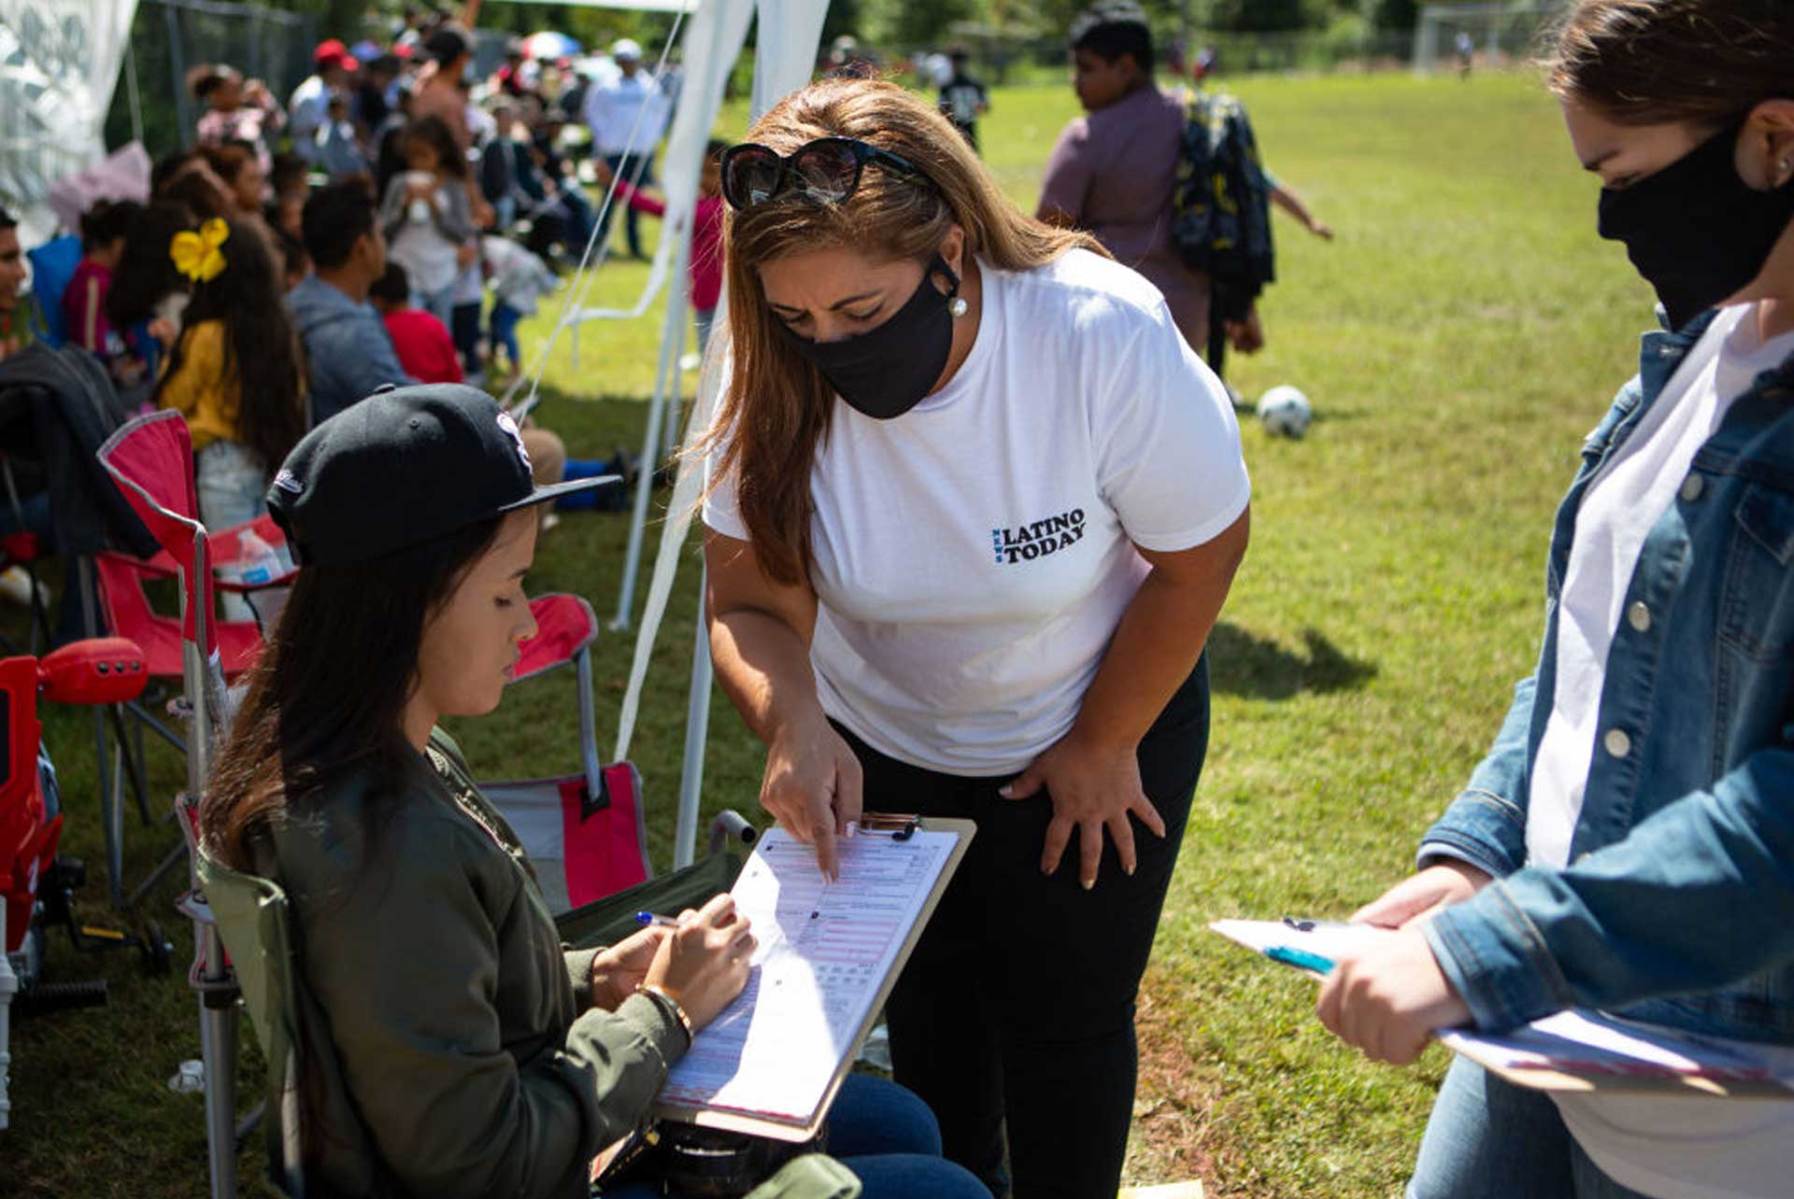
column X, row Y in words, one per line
column 151, row 460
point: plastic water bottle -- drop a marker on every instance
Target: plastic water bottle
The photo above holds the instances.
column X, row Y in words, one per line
column 260, row 561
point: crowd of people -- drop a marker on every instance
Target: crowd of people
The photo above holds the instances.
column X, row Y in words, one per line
column 913, row 615
column 381, row 227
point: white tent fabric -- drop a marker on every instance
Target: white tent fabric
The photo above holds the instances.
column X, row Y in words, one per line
column 789, row 34
column 714, row 35
column 59, row 63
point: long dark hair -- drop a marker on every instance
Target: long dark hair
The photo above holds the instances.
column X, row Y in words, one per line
column 260, row 347
column 146, row 274
column 330, row 690
column 1647, row 62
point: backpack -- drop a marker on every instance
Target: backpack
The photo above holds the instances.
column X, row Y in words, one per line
column 1221, row 203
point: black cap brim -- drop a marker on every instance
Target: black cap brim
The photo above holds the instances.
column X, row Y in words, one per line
column 555, row 491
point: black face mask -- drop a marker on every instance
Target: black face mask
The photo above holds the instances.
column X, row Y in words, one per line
column 886, row 371
column 1695, row 230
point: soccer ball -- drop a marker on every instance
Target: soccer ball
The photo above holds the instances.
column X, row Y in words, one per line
column 1284, row 411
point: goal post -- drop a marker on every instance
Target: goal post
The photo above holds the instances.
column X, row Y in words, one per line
column 1499, row 34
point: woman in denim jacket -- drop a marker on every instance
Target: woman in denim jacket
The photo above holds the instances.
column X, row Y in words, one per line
column 1628, row 843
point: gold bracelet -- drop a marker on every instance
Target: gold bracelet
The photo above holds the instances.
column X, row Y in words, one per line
column 670, row 1004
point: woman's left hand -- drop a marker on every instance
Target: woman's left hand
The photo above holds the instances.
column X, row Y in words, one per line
column 619, row 970
column 1092, row 787
column 1389, row 999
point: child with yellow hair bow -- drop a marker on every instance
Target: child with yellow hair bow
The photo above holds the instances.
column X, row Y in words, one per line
column 236, row 374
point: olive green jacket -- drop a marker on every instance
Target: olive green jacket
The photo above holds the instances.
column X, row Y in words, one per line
column 450, row 1046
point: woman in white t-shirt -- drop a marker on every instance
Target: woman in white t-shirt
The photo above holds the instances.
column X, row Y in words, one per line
column 1628, row 843
column 973, row 508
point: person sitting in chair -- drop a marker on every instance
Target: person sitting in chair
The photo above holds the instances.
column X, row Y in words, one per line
column 447, row 1044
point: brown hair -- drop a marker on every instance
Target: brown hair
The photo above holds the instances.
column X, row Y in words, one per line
column 1648, row 62
column 776, row 409
column 227, row 160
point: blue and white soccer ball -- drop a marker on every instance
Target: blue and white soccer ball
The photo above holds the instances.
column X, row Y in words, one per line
column 1284, row 411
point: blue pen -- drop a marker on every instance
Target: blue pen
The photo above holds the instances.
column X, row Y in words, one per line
column 1300, row 958
column 650, row 920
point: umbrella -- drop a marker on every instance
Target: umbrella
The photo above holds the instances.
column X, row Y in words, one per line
column 550, row 45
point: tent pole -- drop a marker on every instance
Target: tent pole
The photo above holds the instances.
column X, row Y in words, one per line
column 677, row 297
column 644, row 484
column 697, row 734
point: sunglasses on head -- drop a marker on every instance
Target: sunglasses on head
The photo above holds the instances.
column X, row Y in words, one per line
column 826, row 170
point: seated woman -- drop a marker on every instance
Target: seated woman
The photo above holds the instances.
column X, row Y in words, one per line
column 450, row 1046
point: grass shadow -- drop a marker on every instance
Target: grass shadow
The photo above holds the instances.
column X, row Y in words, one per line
column 1254, row 667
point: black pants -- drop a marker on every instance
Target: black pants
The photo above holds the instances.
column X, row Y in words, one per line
column 1017, row 1008
column 625, row 166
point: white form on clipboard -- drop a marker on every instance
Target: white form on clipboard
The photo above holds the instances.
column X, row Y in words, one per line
column 827, row 957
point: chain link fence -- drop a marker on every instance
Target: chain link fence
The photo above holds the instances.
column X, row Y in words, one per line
column 171, row 37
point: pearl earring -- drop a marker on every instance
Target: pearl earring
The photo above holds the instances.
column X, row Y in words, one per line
column 958, row 307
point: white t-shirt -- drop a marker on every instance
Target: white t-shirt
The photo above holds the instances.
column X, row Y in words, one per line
column 973, row 556
column 627, row 115
column 1619, row 509
column 1665, row 1147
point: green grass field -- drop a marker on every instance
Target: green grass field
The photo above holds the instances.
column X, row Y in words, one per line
column 1458, row 339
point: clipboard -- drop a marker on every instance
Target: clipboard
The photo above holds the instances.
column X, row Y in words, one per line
column 1587, row 1052
column 1572, row 1051
column 877, row 833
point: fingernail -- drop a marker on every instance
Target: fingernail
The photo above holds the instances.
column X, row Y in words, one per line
column 1089, row 883
column 1004, row 791
column 853, row 827
column 1130, row 869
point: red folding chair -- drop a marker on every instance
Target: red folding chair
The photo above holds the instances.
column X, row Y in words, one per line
column 585, row 833
column 151, row 460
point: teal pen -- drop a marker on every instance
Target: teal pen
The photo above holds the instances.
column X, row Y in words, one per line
column 1300, row 958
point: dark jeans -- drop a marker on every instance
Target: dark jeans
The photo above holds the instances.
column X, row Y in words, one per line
column 503, row 334
column 466, row 332
column 1017, row 1006
column 887, row 1138
column 626, row 166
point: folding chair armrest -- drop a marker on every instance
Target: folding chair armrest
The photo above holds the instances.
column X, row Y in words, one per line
column 730, row 829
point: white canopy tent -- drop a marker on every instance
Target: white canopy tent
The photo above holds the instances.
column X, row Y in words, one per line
column 714, row 32
column 59, row 64
column 790, row 32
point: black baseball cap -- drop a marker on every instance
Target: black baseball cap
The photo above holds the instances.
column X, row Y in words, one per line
column 404, row 466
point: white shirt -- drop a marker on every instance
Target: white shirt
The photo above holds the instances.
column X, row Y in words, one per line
column 612, row 109
column 973, row 556
column 1666, row 1147
column 429, row 258
column 1622, row 504
column 307, row 111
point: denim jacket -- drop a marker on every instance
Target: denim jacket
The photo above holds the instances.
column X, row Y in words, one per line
column 347, row 350
column 1677, row 907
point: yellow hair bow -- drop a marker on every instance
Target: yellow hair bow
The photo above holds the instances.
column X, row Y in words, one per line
column 197, row 255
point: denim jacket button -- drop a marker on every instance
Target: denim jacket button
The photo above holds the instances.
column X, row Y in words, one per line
column 1617, row 742
column 1639, row 617
column 1692, row 487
